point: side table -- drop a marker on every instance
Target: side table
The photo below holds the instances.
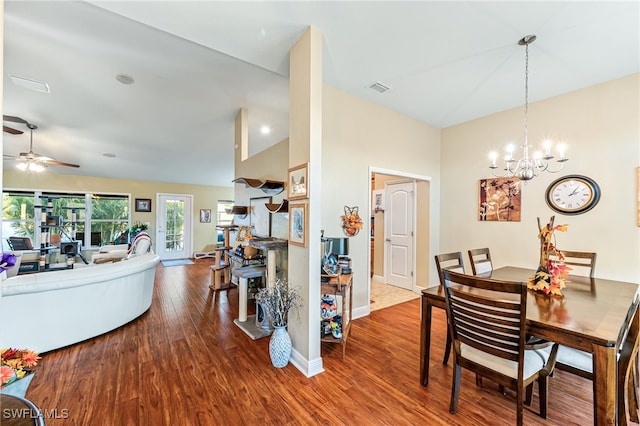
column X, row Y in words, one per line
column 341, row 285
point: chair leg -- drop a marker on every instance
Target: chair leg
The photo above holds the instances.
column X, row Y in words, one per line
column 447, row 349
column 455, row 388
column 543, row 389
column 519, row 406
column 528, row 394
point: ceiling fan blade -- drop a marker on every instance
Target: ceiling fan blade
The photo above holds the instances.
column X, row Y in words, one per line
column 8, row 129
column 14, row 119
column 60, row 163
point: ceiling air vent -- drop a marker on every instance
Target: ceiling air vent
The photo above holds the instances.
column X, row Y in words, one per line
column 38, row 86
column 379, row 87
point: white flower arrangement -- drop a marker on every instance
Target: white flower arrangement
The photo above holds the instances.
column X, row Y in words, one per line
column 278, row 301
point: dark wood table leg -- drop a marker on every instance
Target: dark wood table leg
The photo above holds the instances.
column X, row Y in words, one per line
column 604, row 385
column 425, row 341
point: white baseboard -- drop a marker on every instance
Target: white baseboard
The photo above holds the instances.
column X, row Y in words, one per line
column 378, row 278
column 306, row 367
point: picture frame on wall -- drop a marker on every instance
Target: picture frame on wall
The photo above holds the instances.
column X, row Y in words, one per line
column 377, row 200
column 298, row 224
column 298, row 182
column 205, row 215
column 143, row 204
column 260, row 217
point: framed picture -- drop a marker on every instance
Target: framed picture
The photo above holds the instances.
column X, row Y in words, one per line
column 298, row 182
column 298, row 224
column 259, row 216
column 205, row 215
column 500, row 200
column 377, row 200
column 143, row 204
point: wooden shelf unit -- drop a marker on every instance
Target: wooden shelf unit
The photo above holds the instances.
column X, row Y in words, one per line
column 340, row 285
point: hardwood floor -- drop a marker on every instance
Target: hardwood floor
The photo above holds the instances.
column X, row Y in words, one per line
column 184, row 362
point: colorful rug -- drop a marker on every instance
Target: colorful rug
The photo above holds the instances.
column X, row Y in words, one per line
column 177, row 262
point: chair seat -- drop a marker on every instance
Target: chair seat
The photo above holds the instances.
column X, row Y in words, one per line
column 575, row 358
column 534, row 361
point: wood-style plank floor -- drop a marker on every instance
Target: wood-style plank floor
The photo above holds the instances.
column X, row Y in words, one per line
column 184, row 362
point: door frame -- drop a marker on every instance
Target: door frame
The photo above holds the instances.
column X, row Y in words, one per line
column 188, row 236
column 433, row 233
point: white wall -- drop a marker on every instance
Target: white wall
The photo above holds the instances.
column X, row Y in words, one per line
column 600, row 126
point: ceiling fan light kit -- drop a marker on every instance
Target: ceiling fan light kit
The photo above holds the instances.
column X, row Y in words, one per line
column 30, row 161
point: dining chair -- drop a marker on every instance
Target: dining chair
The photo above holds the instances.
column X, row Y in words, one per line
column 480, row 261
column 582, row 263
column 628, row 372
column 448, row 262
column 487, row 323
column 573, row 360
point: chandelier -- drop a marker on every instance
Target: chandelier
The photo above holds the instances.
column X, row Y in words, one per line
column 529, row 166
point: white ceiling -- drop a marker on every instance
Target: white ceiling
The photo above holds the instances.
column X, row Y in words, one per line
column 196, row 63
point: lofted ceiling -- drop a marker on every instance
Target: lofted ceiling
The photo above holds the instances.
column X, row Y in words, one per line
column 195, row 64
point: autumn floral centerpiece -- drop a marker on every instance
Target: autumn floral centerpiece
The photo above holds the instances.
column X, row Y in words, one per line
column 15, row 364
column 550, row 277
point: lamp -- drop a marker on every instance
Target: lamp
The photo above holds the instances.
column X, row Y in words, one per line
column 32, row 166
column 527, row 167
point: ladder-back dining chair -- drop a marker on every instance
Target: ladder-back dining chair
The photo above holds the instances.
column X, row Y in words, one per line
column 573, row 360
column 480, row 261
column 448, row 262
column 582, row 263
column 487, row 323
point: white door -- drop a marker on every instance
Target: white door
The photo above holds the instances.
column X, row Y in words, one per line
column 399, row 231
column 173, row 233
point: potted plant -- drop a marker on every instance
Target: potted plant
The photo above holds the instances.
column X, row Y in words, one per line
column 277, row 301
column 137, row 228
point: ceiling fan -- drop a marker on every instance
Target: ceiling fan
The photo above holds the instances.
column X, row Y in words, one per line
column 30, row 161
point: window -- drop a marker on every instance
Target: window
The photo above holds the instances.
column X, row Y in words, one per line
column 223, row 217
column 94, row 219
column 17, row 216
column 109, row 216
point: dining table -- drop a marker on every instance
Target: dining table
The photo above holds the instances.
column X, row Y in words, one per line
column 593, row 315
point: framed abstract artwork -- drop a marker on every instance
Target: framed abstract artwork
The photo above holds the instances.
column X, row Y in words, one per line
column 500, row 200
column 298, row 224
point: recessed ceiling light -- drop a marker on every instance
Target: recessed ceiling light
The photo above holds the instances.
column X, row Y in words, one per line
column 265, row 130
column 108, row 155
column 38, row 86
column 124, row 78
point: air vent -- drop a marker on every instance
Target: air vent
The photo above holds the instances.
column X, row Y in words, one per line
column 38, row 86
column 379, row 87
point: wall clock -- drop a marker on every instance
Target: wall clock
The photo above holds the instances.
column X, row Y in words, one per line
column 573, row 194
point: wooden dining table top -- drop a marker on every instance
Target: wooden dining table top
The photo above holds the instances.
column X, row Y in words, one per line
column 593, row 310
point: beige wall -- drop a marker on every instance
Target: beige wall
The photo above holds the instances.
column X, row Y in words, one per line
column 358, row 135
column 600, row 126
column 204, row 197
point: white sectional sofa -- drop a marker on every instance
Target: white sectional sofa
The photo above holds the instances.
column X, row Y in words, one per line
column 50, row 310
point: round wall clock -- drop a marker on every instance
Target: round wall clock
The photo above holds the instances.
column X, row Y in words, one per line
column 573, row 194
